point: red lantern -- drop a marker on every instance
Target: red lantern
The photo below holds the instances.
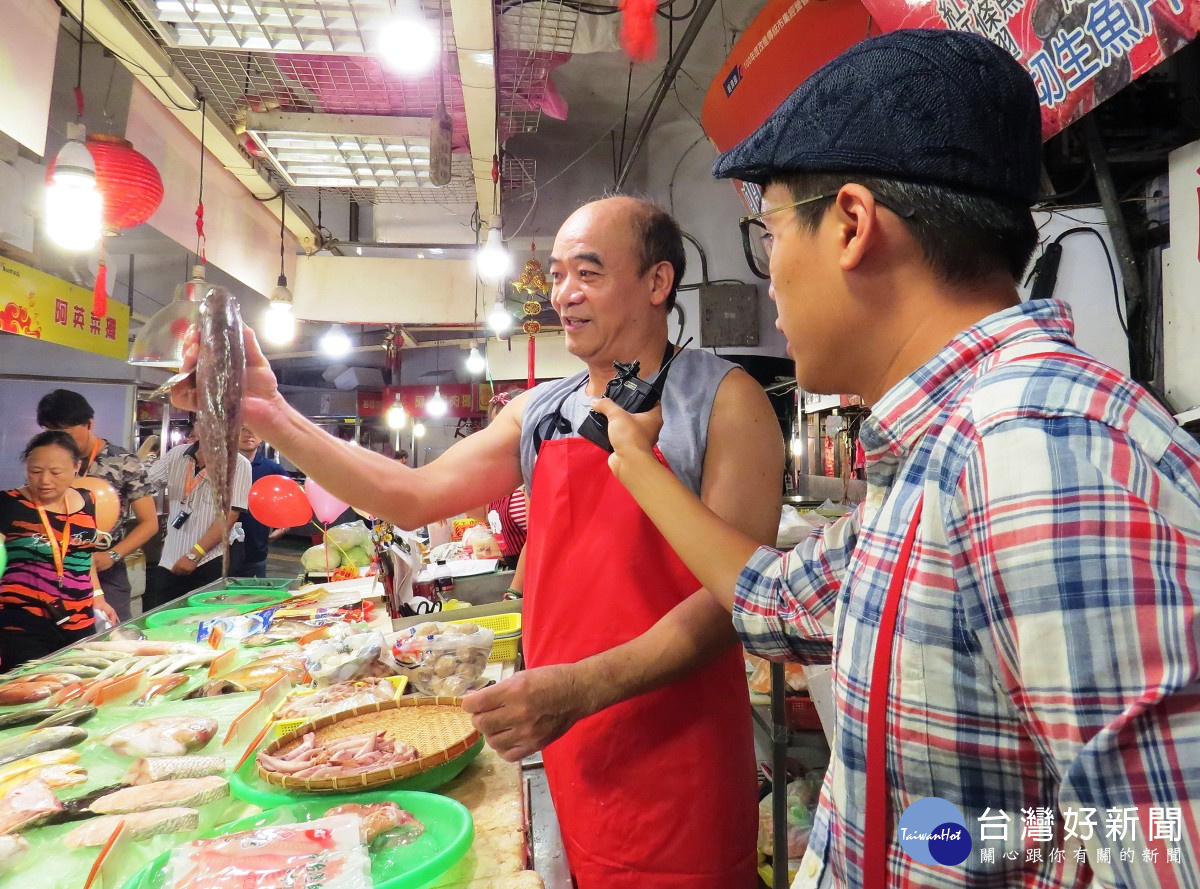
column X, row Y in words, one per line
column 130, row 188
column 125, row 178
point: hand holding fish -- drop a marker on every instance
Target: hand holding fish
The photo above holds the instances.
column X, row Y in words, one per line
column 107, row 610
column 262, row 404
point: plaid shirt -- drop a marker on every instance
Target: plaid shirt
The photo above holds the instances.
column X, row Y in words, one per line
column 1046, row 655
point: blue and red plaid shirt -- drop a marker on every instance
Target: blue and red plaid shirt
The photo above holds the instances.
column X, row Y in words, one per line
column 1046, row 652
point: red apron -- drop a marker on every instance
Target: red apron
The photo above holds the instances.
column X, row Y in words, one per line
column 657, row 792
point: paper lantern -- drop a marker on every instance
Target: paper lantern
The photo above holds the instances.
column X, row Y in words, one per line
column 129, row 183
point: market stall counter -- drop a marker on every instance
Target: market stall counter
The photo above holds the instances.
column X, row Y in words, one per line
column 121, row 757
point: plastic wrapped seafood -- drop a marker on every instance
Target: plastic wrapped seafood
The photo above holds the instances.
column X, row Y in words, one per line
column 441, row 658
column 329, row 852
column 335, row 698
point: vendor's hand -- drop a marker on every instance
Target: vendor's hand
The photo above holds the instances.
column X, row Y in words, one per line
column 631, row 435
column 261, row 402
column 107, row 610
column 522, row 714
column 183, row 565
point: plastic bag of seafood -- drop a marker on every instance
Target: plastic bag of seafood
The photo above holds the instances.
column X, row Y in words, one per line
column 329, row 852
column 442, row 658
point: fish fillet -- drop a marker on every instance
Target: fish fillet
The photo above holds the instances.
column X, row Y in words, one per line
column 27, row 803
column 165, row 736
column 220, row 367
column 139, row 826
column 189, row 792
column 166, row 768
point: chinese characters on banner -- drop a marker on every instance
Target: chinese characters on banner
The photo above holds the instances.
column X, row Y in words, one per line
column 40, row 306
column 462, row 400
column 1110, row 834
column 1079, row 52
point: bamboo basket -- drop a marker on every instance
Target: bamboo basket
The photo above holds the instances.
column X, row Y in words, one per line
column 437, row 727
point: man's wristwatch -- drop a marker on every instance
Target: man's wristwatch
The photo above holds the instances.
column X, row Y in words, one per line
column 116, row 557
column 191, row 557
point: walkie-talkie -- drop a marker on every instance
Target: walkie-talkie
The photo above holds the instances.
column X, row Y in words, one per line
column 630, row 392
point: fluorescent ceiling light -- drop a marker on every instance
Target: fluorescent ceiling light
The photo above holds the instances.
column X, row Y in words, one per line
column 287, row 26
column 347, row 161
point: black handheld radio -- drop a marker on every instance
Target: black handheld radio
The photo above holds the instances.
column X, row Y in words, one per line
column 629, row 392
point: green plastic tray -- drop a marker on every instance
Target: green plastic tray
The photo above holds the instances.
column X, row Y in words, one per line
column 167, row 618
column 449, row 833
column 247, row 786
column 263, row 597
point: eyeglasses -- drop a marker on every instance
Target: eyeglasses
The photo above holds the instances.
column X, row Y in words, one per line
column 757, row 241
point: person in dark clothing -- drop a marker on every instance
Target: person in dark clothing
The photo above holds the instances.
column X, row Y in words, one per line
column 249, row 556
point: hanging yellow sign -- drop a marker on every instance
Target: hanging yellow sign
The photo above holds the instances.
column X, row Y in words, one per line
column 43, row 307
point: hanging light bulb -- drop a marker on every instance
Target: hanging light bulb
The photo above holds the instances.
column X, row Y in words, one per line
column 336, row 342
column 492, row 261
column 396, row 416
column 436, row 406
column 279, row 324
column 406, row 43
column 418, row 430
column 498, row 318
column 475, row 362
column 74, row 206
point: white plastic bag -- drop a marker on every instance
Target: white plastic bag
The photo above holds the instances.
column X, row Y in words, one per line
column 443, row 659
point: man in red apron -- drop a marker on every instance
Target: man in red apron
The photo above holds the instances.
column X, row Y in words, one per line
column 636, row 686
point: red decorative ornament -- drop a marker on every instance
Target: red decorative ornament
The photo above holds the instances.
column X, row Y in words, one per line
column 639, row 34
column 128, row 182
column 532, row 327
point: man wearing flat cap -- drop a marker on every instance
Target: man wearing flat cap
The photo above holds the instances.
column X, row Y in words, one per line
column 1013, row 609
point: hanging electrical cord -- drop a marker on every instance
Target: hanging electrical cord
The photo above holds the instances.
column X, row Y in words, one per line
column 200, row 238
column 282, row 217
column 79, row 64
column 1044, row 273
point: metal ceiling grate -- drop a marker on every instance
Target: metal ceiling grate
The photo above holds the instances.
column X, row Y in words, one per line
column 461, row 190
column 535, row 36
column 517, row 174
column 339, row 26
column 347, row 160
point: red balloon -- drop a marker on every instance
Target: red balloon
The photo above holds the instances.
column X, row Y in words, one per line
column 278, row 502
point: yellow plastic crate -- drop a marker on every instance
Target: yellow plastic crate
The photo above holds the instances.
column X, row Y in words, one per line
column 283, row 726
column 507, row 630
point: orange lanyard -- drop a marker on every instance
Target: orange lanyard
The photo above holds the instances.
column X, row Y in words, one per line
column 59, row 552
column 194, row 478
column 92, row 459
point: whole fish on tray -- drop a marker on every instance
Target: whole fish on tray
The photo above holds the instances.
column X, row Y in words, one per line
column 37, row 687
column 39, row 741
column 11, row 850
column 220, row 367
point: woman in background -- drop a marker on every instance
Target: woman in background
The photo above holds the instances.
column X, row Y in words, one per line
column 49, row 587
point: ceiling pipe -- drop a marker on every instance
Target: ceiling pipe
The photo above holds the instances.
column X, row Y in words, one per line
column 354, row 222
column 695, row 23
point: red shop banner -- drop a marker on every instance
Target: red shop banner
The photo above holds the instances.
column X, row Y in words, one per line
column 462, row 400
column 1079, row 52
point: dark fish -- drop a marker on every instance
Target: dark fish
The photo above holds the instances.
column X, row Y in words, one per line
column 28, row 716
column 39, row 740
column 68, row 716
column 220, row 366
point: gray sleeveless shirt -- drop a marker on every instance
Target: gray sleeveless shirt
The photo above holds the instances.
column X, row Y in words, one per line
column 687, row 401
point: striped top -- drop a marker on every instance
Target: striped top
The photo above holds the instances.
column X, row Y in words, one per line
column 189, row 488
column 507, row 516
column 31, row 571
column 1046, row 672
